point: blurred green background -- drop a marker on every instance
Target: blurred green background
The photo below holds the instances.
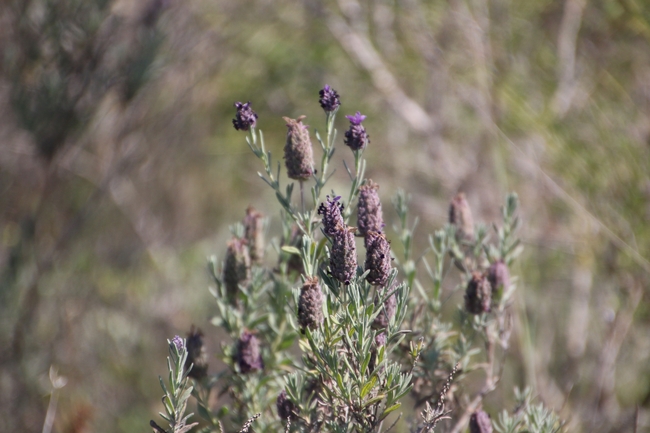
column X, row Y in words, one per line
column 120, row 172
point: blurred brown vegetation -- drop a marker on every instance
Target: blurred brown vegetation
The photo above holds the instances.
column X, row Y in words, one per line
column 120, row 171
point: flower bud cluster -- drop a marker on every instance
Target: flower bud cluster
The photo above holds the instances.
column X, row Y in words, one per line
column 343, row 256
column 245, row 118
column 331, row 213
column 286, row 408
column 369, row 214
column 329, row 99
column 298, row 153
column 378, row 260
column 249, row 355
column 237, row 267
column 478, row 295
column 480, row 422
column 356, row 137
column 498, row 276
column 310, row 304
column 460, row 216
column 196, row 354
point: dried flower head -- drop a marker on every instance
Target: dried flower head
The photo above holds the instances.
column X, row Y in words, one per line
column 478, row 295
column 331, row 213
column 329, row 99
column 356, row 138
column 480, row 422
column 286, row 408
column 388, row 312
column 298, row 153
column 369, row 215
column 343, row 256
column 460, row 215
column 310, row 304
column 254, row 233
column 249, row 356
column 237, row 267
column 498, row 276
column 245, row 118
column 196, row 354
column 377, row 258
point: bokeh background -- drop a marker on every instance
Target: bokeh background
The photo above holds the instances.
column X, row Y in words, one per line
column 120, row 172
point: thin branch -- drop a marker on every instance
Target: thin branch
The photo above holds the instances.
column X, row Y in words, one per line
column 360, row 48
column 566, row 51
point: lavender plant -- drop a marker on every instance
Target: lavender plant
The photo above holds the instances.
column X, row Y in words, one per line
column 369, row 332
column 178, row 390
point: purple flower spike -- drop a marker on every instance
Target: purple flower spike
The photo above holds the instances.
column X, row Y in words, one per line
column 245, row 117
column 356, row 138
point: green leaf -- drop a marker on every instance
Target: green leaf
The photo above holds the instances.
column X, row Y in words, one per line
column 374, row 400
column 368, row 386
column 204, row 413
column 186, row 394
column 388, row 410
column 290, row 250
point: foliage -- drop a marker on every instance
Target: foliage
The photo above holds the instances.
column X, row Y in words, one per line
column 100, row 241
column 368, row 346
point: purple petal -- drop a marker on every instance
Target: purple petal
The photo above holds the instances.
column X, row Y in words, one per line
column 356, row 119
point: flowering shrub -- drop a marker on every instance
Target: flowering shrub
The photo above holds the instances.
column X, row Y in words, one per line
column 370, row 333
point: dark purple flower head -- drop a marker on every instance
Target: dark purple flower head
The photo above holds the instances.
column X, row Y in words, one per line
column 356, row 138
column 196, row 354
column 356, row 119
column 329, row 99
column 331, row 212
column 478, row 296
column 237, row 267
column 245, row 117
column 249, row 356
column 286, row 408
